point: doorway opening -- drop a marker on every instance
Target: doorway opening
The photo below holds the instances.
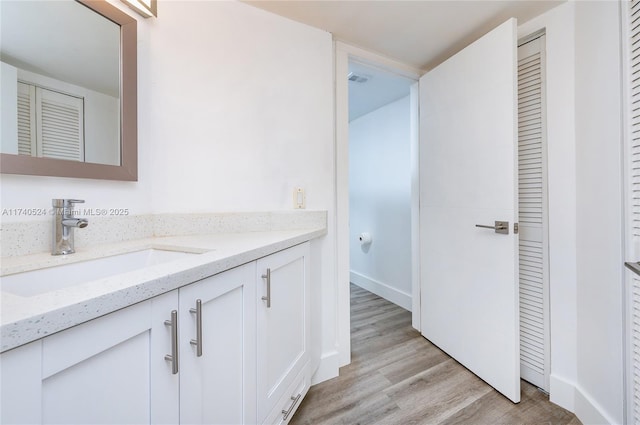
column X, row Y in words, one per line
column 380, row 225
column 376, row 66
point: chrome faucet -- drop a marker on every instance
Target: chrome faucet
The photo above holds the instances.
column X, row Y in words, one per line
column 63, row 224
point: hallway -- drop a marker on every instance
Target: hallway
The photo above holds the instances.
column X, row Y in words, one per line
column 398, row 377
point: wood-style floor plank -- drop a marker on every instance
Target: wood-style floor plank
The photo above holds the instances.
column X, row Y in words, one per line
column 398, row 377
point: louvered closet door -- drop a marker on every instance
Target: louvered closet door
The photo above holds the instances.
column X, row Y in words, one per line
column 634, row 346
column 532, row 195
column 60, row 125
column 26, row 119
column 633, row 221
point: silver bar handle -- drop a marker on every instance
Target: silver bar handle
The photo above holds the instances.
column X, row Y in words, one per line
column 173, row 357
column 268, row 297
column 501, row 227
column 287, row 412
column 198, row 341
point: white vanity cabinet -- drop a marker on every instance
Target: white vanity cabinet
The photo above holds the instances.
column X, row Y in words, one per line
column 108, row 370
column 217, row 349
column 283, row 332
column 116, row 369
column 211, row 352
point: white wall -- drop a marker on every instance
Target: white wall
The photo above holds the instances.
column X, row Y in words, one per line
column 380, row 201
column 599, row 213
column 235, row 109
column 243, row 101
column 559, row 25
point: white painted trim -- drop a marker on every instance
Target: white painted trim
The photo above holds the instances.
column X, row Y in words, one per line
column 389, row 293
column 575, row 399
column 414, row 99
column 379, row 61
column 342, row 204
column 562, row 392
column 342, row 54
column 328, row 369
column 589, row 411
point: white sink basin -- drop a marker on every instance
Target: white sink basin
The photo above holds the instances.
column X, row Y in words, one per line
column 40, row 281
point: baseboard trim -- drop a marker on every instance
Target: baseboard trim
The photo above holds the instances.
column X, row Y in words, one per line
column 383, row 290
column 575, row 399
column 589, row 411
column 562, row 392
column 329, row 367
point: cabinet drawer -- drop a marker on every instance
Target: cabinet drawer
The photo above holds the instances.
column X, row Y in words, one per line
column 286, row 407
column 69, row 348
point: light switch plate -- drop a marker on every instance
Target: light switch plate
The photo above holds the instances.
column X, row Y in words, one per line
column 299, row 200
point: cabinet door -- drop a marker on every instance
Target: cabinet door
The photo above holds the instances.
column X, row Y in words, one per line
column 112, row 369
column 218, row 386
column 20, row 374
column 283, row 323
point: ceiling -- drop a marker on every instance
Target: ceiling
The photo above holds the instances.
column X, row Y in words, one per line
column 420, row 33
column 380, row 89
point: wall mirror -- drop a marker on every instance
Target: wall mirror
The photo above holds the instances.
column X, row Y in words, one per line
column 68, row 88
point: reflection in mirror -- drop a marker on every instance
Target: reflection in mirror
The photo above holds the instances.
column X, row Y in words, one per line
column 67, row 79
column 68, row 82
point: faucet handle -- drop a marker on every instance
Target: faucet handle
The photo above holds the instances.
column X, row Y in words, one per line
column 65, row 203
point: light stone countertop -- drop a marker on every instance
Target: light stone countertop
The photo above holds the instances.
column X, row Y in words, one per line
column 26, row 319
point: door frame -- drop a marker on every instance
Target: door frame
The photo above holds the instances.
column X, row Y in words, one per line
column 343, row 53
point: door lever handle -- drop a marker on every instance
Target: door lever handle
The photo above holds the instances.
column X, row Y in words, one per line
column 501, row 227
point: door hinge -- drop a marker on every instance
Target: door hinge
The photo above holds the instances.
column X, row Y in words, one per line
column 515, row 228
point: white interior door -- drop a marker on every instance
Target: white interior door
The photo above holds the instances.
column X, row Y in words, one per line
column 468, row 159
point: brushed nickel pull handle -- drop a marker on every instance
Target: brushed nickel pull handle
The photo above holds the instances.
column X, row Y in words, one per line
column 198, row 341
column 501, row 227
column 268, row 297
column 173, row 357
column 287, row 412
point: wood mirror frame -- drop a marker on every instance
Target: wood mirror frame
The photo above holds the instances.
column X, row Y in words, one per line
column 128, row 168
